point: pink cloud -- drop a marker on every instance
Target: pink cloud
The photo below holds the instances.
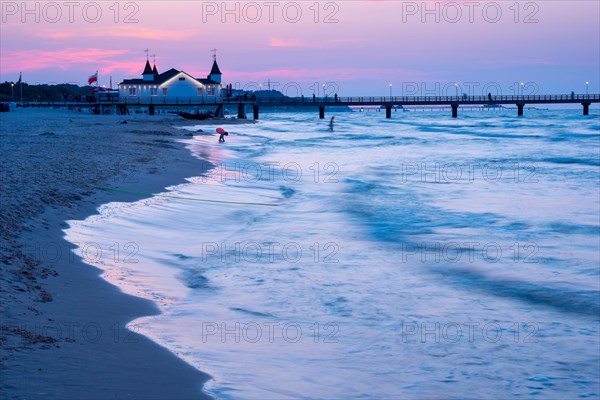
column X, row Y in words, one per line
column 58, row 35
column 274, row 42
column 33, row 60
column 133, row 68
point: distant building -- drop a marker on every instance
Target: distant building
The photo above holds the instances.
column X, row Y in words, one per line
column 171, row 86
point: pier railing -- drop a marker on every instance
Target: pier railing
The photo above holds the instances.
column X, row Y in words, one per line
column 420, row 100
column 333, row 100
column 387, row 102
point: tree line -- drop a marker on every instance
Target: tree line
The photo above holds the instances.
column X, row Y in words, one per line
column 43, row 92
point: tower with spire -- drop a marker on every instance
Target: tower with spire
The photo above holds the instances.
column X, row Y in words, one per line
column 215, row 73
column 154, row 70
column 148, row 74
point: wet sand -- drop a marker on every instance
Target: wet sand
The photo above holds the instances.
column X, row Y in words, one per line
column 63, row 329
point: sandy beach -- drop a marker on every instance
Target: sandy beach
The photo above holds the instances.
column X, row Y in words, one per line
column 63, row 328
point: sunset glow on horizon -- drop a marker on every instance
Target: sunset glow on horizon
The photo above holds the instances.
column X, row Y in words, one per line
column 359, row 46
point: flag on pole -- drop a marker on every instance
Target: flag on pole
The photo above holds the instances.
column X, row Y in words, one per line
column 93, row 78
column 20, row 77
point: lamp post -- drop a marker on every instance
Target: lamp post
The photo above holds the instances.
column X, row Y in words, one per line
column 12, row 91
column 456, row 87
column 522, row 84
column 390, row 91
column 324, row 95
column 587, row 84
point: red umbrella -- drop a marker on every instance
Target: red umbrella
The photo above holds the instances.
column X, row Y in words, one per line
column 221, row 130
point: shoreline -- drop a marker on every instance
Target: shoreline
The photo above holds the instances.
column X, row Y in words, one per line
column 63, row 326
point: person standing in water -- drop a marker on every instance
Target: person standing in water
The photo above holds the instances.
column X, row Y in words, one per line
column 331, row 122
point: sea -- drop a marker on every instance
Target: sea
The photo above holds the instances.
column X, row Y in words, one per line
column 415, row 257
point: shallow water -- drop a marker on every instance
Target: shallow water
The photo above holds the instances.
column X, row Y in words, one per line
column 416, row 257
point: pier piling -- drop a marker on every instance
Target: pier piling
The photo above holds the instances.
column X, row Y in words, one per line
column 241, row 111
column 388, row 111
column 586, row 107
column 255, row 111
column 520, row 107
column 220, row 111
column 454, row 110
column 321, row 112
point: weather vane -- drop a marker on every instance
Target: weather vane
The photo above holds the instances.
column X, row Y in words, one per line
column 214, row 51
column 147, row 51
column 153, row 58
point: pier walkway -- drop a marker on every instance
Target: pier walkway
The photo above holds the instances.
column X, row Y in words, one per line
column 320, row 103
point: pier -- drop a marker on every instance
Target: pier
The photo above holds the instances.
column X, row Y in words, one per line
column 321, row 103
column 453, row 101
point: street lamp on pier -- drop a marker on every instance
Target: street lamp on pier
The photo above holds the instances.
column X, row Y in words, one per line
column 12, row 91
column 587, row 84
column 390, row 91
column 522, row 85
